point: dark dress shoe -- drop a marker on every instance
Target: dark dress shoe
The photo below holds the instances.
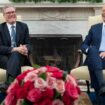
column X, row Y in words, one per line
column 3, row 87
column 102, row 91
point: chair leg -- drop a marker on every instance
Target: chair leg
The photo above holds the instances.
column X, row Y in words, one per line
column 88, row 88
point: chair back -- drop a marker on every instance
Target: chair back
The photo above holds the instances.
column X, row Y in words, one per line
column 94, row 20
column 3, row 20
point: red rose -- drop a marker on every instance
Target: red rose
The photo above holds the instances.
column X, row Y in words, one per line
column 72, row 90
column 36, row 104
column 28, row 85
column 52, row 69
column 46, row 102
column 21, row 76
column 10, row 99
column 21, row 93
column 58, row 75
column 35, row 95
column 48, row 93
column 67, row 99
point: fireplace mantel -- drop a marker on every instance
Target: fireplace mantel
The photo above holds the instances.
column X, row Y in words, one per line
column 48, row 5
column 55, row 5
column 56, row 35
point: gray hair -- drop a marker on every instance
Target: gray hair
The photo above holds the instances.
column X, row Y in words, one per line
column 7, row 6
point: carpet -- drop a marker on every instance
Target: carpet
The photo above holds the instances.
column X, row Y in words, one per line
column 84, row 99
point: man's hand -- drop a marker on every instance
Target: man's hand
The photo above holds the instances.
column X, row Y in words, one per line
column 102, row 55
column 22, row 49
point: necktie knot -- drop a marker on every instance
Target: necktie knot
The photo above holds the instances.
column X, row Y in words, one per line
column 12, row 26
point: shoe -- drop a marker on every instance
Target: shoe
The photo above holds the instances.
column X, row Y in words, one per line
column 3, row 87
column 102, row 91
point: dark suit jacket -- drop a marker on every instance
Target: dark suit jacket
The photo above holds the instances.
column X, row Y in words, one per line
column 22, row 37
column 93, row 38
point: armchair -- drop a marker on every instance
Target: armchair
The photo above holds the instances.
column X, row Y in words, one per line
column 81, row 72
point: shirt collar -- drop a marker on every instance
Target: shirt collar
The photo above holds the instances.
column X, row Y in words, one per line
column 9, row 25
column 103, row 23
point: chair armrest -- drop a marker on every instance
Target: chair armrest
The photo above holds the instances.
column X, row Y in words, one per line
column 79, row 58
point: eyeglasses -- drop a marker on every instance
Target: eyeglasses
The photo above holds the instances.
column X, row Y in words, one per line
column 10, row 12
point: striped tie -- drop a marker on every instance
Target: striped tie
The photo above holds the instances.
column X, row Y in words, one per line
column 13, row 36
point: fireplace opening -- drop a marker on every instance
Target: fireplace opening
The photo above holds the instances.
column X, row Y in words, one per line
column 56, row 50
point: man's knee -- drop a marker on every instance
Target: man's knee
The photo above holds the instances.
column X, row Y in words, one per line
column 15, row 55
column 17, row 58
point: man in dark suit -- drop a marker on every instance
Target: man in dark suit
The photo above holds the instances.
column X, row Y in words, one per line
column 14, row 43
column 94, row 47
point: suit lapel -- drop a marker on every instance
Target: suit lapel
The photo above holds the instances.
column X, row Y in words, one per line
column 6, row 31
column 17, row 32
column 100, row 32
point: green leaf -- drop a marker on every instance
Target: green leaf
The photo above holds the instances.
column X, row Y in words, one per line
column 57, row 95
column 36, row 66
column 24, row 102
column 43, row 75
column 65, row 74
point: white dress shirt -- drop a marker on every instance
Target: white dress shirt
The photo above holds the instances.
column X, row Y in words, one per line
column 9, row 28
column 102, row 44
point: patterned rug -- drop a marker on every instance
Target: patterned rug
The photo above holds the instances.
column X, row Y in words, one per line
column 84, row 99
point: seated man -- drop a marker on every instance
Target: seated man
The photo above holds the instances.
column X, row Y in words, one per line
column 14, row 43
column 94, row 47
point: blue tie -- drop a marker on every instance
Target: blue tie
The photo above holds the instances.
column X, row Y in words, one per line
column 13, row 36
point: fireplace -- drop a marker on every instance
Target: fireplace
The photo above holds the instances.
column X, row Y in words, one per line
column 56, row 50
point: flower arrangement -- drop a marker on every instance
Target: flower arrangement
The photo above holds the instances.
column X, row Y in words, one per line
column 43, row 86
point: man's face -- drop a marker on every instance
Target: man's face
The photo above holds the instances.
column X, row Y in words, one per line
column 10, row 15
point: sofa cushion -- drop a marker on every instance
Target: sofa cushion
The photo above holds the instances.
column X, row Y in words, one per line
column 82, row 73
column 3, row 72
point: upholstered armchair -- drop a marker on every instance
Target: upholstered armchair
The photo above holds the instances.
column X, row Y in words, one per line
column 2, row 71
column 81, row 72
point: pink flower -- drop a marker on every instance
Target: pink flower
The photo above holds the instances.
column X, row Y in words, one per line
column 71, row 79
column 51, row 82
column 21, row 77
column 57, row 102
column 40, row 83
column 31, row 76
column 60, row 86
column 34, row 95
column 41, row 70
